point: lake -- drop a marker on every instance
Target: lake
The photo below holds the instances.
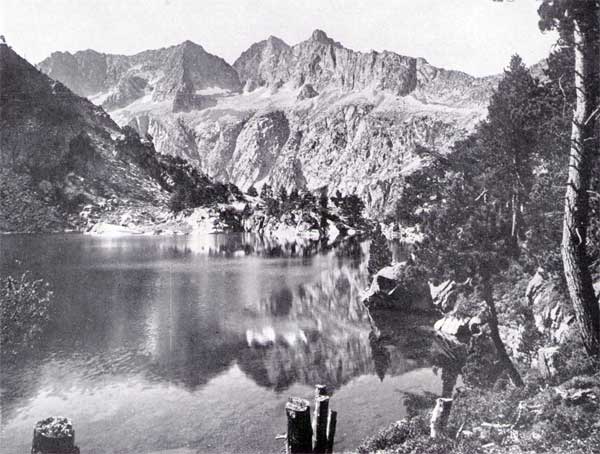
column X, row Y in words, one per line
column 194, row 344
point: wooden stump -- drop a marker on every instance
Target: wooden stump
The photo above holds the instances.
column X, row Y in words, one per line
column 321, row 419
column 299, row 430
column 320, row 390
column 331, row 431
column 54, row 435
column 439, row 417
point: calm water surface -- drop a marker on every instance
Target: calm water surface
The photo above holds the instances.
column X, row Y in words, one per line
column 193, row 344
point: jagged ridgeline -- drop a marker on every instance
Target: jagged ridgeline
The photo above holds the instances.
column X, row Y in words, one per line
column 59, row 151
column 293, row 116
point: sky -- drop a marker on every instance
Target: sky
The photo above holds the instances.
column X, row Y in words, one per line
column 475, row 36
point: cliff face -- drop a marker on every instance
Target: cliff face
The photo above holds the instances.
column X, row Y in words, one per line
column 309, row 115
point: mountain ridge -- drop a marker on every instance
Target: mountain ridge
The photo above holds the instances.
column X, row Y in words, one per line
column 305, row 115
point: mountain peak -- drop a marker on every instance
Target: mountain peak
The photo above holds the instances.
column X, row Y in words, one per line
column 187, row 44
column 321, row 37
column 277, row 41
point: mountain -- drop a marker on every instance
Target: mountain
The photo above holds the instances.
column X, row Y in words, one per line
column 182, row 73
column 58, row 151
column 321, row 62
column 308, row 115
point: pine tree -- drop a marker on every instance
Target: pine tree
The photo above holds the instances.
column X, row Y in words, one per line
column 266, row 192
column 509, row 140
column 352, row 208
column 323, row 198
column 308, row 200
column 252, row 192
column 282, row 194
column 477, row 218
column 380, row 255
column 294, row 196
column 578, row 22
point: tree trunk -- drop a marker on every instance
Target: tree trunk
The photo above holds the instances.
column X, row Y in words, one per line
column 505, row 360
column 439, row 418
column 582, row 155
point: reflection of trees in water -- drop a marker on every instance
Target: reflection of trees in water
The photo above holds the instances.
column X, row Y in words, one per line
column 280, row 302
column 352, row 252
column 449, row 355
column 381, row 355
column 447, row 358
column 328, row 335
column 333, row 300
column 410, row 337
column 401, row 340
column 306, row 333
column 400, row 250
column 319, row 360
column 311, row 333
column 189, row 345
column 244, row 244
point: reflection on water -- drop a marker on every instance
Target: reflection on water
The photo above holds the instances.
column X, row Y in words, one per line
column 165, row 343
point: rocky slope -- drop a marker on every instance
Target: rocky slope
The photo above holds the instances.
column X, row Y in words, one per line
column 58, row 150
column 311, row 114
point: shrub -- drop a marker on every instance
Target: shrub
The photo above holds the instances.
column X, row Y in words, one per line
column 24, row 308
column 178, row 201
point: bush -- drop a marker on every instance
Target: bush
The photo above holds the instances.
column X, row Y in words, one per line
column 24, row 310
column 252, row 192
column 576, row 362
column 178, row 201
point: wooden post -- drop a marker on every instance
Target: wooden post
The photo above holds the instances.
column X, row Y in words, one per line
column 54, row 435
column 331, row 431
column 299, row 430
column 439, row 417
column 321, row 418
column 320, row 390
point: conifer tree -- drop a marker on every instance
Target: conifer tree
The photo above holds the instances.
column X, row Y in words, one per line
column 473, row 229
column 380, row 255
column 266, row 192
column 282, row 194
column 294, row 196
column 578, row 22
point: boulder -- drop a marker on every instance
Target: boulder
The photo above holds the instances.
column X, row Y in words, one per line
column 461, row 326
column 387, row 291
column 306, row 92
column 552, row 312
column 579, row 389
column 444, row 295
column 454, row 325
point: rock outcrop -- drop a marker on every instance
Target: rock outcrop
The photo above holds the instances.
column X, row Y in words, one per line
column 460, row 326
column 552, row 312
column 388, row 291
column 310, row 115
